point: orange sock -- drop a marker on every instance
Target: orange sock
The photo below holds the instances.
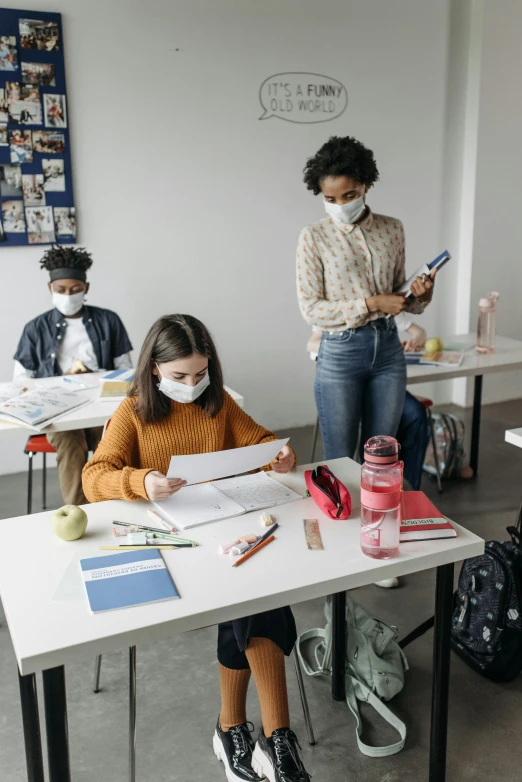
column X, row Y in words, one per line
column 267, row 662
column 234, row 686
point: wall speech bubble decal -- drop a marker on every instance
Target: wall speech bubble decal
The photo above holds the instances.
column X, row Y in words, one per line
column 302, row 97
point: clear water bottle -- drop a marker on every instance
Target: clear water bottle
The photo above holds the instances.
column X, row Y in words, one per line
column 486, row 323
column 381, row 487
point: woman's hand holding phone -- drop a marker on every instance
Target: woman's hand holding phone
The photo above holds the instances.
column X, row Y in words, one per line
column 159, row 487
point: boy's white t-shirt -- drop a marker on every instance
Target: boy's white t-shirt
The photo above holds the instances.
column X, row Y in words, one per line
column 76, row 346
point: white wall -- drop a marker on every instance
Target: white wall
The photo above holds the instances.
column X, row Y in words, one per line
column 497, row 250
column 189, row 203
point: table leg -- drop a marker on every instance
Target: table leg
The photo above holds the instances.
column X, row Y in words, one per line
column 132, row 714
column 31, row 723
column 475, row 425
column 338, row 646
column 441, row 669
column 55, row 700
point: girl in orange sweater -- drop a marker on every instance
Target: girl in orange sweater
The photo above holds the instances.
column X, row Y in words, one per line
column 178, row 406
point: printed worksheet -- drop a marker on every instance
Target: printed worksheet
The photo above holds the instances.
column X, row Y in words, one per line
column 256, row 491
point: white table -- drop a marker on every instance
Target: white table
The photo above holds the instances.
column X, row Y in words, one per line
column 48, row 634
column 507, row 356
column 95, row 413
column 514, row 436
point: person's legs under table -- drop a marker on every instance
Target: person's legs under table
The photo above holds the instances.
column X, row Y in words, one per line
column 72, row 450
column 413, row 435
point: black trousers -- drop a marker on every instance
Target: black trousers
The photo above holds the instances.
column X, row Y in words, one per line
column 233, row 637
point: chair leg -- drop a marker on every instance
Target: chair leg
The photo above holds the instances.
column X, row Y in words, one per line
column 44, row 482
column 314, row 438
column 97, row 670
column 435, row 457
column 304, row 700
column 132, row 714
column 30, row 484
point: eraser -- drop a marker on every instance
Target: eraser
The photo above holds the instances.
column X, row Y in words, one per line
column 239, row 548
column 267, row 520
column 225, row 547
column 250, row 538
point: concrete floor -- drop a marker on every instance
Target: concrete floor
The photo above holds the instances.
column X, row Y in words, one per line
column 178, row 691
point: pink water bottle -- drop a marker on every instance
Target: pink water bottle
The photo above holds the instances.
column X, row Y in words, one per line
column 381, row 487
column 486, row 323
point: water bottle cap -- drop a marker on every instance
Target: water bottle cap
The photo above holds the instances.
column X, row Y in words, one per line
column 489, row 301
column 382, row 449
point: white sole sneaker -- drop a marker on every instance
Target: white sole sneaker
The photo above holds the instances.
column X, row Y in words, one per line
column 388, row 583
column 221, row 755
column 262, row 765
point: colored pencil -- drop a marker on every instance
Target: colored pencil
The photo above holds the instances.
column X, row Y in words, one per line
column 252, row 551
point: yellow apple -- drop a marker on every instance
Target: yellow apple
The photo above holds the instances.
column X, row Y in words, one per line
column 69, row 522
column 433, row 345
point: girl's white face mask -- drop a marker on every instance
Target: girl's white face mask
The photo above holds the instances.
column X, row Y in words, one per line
column 68, row 305
column 347, row 213
column 179, row 392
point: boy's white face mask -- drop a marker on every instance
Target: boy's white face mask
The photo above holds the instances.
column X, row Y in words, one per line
column 68, row 305
column 180, row 392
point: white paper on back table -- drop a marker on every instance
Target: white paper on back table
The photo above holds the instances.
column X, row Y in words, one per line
column 200, row 467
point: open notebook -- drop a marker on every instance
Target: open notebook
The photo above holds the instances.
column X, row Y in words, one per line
column 38, row 407
column 206, row 502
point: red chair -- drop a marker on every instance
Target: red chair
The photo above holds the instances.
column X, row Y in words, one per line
column 38, row 443
column 428, row 404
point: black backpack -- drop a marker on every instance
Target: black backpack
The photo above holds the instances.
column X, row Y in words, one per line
column 487, row 619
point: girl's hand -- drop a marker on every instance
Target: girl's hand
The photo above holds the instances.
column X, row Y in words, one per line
column 418, row 338
column 284, row 461
column 390, row 303
column 159, row 487
column 422, row 287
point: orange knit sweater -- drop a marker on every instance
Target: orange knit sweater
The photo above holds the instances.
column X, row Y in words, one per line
column 131, row 449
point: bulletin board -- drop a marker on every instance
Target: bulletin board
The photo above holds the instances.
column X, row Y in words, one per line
column 36, row 191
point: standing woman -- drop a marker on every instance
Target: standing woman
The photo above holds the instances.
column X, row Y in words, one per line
column 349, row 265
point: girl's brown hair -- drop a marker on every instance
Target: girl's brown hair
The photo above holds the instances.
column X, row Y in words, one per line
column 173, row 337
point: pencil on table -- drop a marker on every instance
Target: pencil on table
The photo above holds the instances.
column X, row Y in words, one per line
column 253, row 551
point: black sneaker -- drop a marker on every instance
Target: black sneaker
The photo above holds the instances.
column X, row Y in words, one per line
column 277, row 757
column 234, row 748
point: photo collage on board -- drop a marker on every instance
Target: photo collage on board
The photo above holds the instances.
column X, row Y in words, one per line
column 35, row 186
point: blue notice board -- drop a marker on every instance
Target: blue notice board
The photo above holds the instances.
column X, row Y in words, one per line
column 36, row 190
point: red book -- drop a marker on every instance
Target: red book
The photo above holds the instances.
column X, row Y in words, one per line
column 421, row 520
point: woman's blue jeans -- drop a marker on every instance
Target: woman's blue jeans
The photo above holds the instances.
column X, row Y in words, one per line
column 360, row 382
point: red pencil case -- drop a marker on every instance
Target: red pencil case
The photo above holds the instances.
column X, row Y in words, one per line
column 328, row 493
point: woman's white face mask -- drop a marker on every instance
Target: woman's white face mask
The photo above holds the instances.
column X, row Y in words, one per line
column 346, row 213
column 68, row 305
column 180, row 392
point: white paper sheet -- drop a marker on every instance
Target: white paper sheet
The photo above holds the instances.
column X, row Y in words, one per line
column 195, row 505
column 222, row 464
column 257, row 491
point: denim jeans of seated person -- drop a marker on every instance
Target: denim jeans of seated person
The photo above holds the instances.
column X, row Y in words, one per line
column 360, row 382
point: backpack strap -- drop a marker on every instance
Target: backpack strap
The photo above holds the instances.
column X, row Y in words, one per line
column 322, row 652
column 355, row 689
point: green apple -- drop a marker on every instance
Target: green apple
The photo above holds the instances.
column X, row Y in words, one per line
column 433, row 345
column 69, row 522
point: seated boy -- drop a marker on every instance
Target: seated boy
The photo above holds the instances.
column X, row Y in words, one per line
column 71, row 338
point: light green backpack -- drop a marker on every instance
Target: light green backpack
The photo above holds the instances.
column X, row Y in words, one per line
column 375, row 666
